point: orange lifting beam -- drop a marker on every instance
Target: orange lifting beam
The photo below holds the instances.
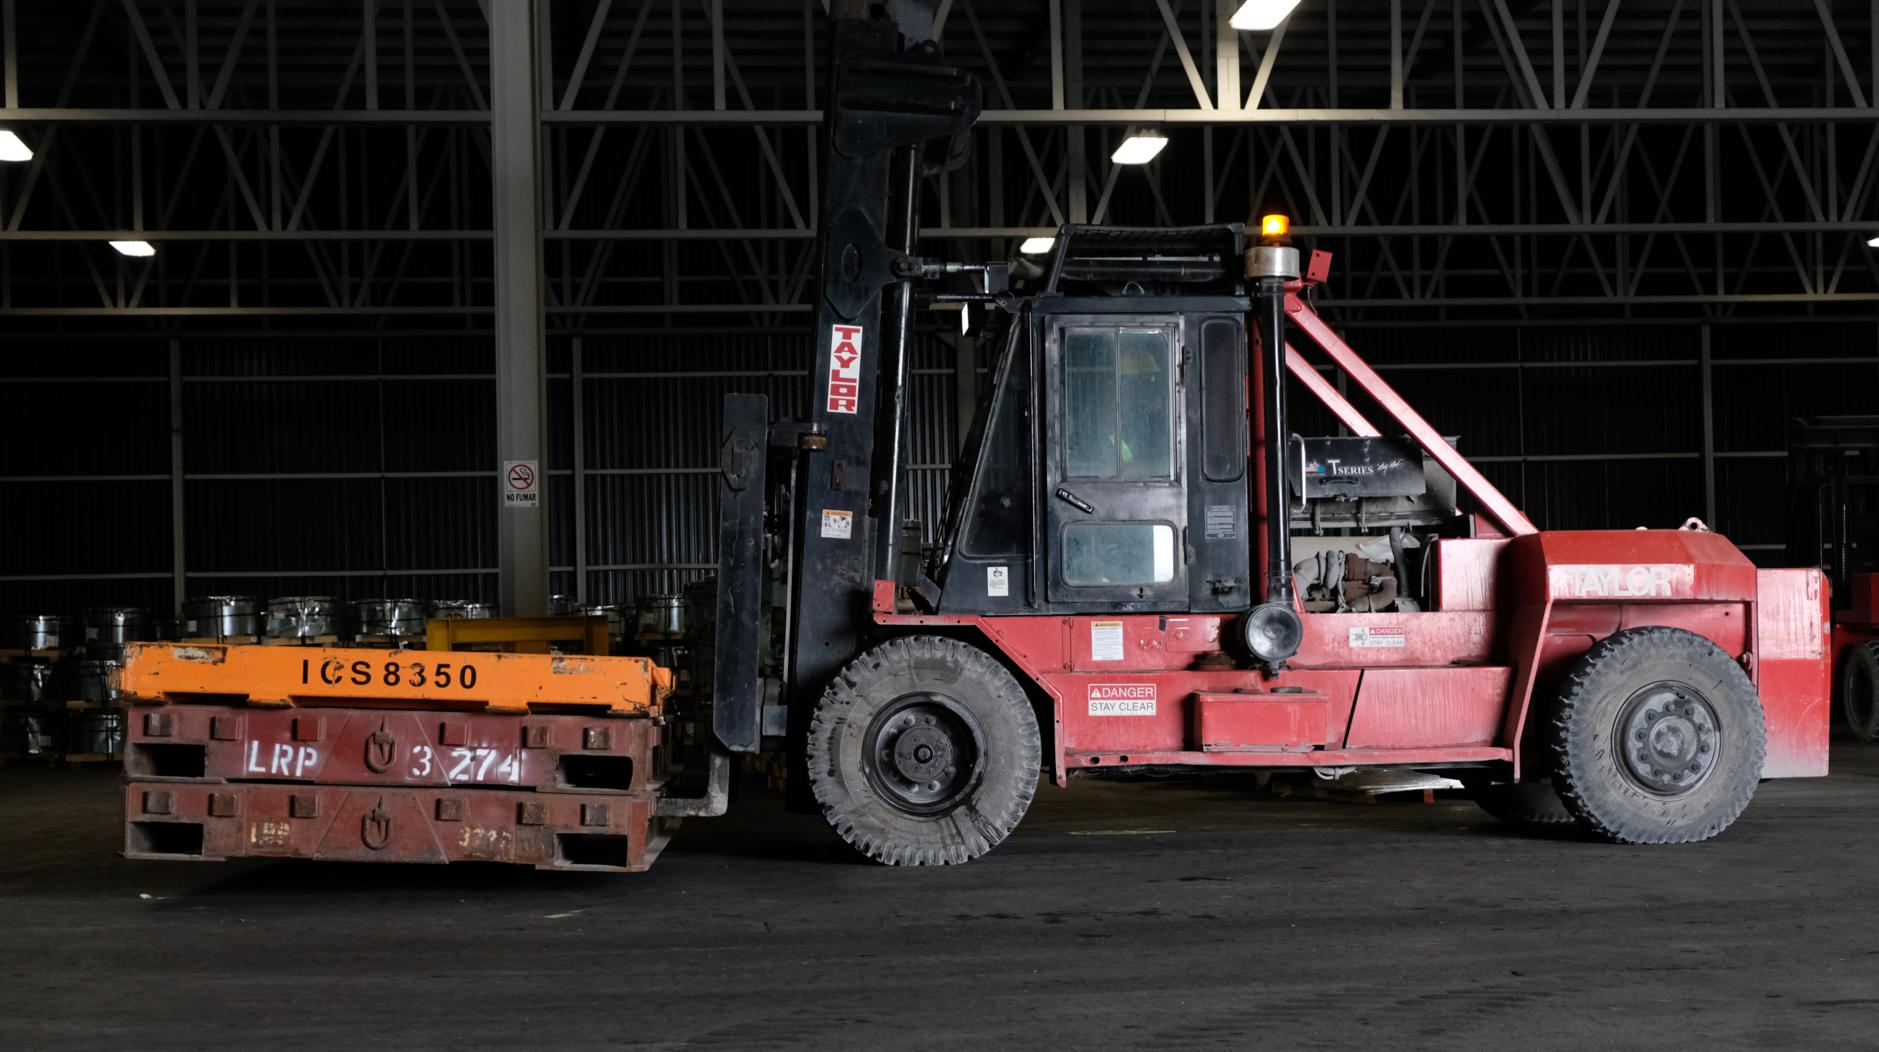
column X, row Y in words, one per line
column 405, row 679
column 526, row 635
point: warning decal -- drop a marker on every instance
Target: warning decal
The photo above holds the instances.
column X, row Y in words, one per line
column 1105, row 641
column 1122, row 699
column 1378, row 638
column 838, row 525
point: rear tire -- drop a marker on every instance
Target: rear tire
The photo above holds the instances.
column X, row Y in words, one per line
column 1658, row 738
column 1859, row 691
column 924, row 751
column 1531, row 805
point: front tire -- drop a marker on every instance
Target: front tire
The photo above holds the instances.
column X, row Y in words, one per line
column 924, row 751
column 1658, row 738
column 1859, row 691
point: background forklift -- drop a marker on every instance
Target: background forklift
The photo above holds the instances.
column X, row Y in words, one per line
column 1833, row 481
column 1117, row 583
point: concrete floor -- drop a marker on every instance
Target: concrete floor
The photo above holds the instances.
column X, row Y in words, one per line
column 1143, row 915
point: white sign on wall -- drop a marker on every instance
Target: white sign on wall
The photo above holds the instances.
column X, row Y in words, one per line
column 521, row 484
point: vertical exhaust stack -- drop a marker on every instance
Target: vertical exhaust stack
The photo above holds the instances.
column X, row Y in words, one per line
column 1273, row 629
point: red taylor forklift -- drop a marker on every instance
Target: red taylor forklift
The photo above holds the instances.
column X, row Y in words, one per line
column 1140, row 567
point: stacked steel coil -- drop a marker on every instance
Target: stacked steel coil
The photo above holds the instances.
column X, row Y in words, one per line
column 395, row 621
column 309, row 618
column 94, row 722
column 659, row 617
column 222, row 617
column 38, row 632
column 28, row 680
column 461, row 609
column 108, row 628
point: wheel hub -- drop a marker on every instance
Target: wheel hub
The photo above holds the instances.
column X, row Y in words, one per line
column 924, row 752
column 1670, row 737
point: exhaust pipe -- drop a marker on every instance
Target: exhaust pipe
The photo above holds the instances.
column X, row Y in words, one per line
column 1272, row 629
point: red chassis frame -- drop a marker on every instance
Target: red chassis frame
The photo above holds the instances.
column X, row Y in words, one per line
column 1514, row 609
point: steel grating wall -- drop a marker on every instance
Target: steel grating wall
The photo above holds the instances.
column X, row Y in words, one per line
column 363, row 467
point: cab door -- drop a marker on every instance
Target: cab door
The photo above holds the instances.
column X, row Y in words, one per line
column 1115, row 493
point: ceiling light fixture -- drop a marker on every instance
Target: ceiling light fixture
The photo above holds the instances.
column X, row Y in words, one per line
column 134, row 248
column 1140, row 147
column 13, row 148
column 1260, row 15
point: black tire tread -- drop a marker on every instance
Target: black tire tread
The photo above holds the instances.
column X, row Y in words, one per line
column 845, row 813
column 1573, row 769
column 1532, row 804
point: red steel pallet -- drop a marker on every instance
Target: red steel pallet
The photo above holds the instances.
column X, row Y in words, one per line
column 394, row 747
column 215, row 822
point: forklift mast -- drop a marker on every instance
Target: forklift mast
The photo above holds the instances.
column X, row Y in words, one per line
column 890, row 99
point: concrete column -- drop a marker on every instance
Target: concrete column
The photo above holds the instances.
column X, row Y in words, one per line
column 521, row 361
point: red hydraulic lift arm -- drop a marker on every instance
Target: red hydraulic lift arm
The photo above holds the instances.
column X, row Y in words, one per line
column 1493, row 500
column 1315, row 382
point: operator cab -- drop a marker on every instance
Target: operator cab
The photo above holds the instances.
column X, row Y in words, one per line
column 1107, row 470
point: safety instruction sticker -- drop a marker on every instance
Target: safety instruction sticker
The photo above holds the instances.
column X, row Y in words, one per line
column 838, row 525
column 1363, row 638
column 997, row 581
column 1122, row 699
column 1105, row 641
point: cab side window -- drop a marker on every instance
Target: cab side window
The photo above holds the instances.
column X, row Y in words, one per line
column 1118, row 404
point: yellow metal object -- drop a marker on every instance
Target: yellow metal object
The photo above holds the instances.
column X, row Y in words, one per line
column 517, row 635
column 406, row 679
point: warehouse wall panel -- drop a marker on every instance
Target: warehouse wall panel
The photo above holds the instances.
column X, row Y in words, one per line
column 364, row 466
column 86, row 426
